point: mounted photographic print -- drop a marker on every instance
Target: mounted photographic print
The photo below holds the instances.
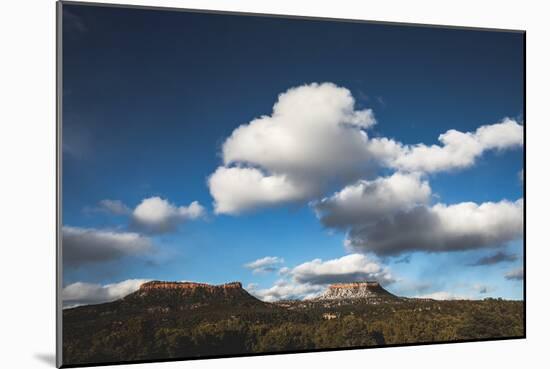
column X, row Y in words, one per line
column 235, row 184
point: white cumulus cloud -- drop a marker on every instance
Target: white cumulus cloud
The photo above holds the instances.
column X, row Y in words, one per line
column 463, row 226
column 349, row 268
column 238, row 189
column 457, row 149
column 313, row 137
column 157, row 215
column 367, row 201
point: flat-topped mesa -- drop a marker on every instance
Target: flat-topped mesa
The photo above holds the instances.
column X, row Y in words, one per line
column 367, row 284
column 355, row 290
column 178, row 293
column 162, row 285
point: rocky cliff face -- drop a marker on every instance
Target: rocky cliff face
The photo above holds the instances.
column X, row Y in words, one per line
column 355, row 290
column 188, row 286
column 184, row 294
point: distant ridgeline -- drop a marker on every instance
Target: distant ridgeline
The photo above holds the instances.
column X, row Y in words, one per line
column 163, row 320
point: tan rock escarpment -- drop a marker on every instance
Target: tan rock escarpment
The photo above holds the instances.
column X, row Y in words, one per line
column 160, row 285
column 178, row 293
column 355, row 290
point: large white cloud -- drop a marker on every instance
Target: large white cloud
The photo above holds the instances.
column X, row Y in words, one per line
column 457, row 149
column 349, row 268
column 157, row 215
column 367, row 201
column 89, row 245
column 314, row 137
column 81, row 293
column 441, row 227
column 238, row 189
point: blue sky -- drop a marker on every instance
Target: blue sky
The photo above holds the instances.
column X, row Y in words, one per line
column 150, row 98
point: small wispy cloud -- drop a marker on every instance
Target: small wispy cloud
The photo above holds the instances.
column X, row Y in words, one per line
column 443, row 295
column 499, row 257
column 521, row 176
column 482, row 288
column 107, row 206
column 115, row 207
column 515, row 274
column 404, row 260
column 77, row 140
column 73, row 22
column 265, row 265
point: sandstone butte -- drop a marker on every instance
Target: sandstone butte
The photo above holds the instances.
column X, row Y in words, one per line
column 351, row 285
column 160, row 285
